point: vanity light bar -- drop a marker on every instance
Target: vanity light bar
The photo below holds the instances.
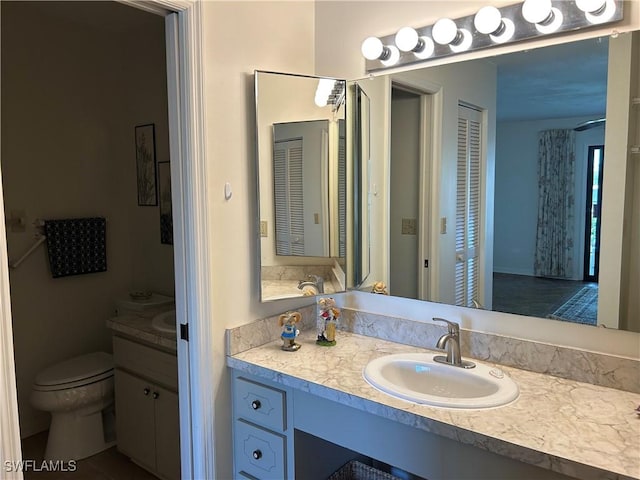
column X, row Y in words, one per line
column 488, row 27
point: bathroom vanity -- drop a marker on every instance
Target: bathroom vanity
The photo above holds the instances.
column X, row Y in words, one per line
column 146, row 394
column 304, row 414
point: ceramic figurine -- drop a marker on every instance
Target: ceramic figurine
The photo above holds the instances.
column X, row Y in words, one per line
column 327, row 322
column 380, row 288
column 288, row 321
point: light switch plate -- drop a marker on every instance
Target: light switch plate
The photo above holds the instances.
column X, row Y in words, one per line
column 443, row 225
column 409, row 226
column 263, row 228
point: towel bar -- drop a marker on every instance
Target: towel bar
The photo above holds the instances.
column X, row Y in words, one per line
column 39, row 241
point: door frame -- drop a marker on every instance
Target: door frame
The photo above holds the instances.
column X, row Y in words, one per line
column 185, row 88
column 587, row 214
column 430, row 106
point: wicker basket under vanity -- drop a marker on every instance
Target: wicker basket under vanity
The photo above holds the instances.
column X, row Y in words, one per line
column 355, row 470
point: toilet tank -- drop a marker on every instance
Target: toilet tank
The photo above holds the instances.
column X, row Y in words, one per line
column 134, row 304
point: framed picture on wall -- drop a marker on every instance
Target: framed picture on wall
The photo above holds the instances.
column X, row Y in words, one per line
column 146, row 165
column 166, row 215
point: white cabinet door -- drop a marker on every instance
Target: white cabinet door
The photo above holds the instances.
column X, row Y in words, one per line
column 167, row 423
column 135, row 422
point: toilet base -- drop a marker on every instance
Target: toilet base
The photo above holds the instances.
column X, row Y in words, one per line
column 74, row 437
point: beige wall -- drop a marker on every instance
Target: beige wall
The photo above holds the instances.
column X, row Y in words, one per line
column 240, row 37
column 631, row 301
column 617, row 187
column 71, row 96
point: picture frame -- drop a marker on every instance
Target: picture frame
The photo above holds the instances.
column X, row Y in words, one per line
column 146, row 165
column 166, row 214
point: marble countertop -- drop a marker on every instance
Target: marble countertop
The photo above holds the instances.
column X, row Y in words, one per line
column 139, row 327
column 577, row 429
column 276, row 289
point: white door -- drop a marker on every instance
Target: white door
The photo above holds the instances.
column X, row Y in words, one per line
column 468, row 207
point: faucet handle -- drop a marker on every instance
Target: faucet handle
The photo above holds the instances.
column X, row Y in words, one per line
column 452, row 327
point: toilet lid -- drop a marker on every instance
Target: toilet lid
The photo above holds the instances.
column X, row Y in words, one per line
column 75, row 369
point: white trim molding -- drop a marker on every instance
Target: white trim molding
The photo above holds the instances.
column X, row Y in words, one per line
column 183, row 20
column 10, row 449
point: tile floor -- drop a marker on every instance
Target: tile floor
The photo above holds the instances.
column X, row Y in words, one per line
column 534, row 296
column 107, row 465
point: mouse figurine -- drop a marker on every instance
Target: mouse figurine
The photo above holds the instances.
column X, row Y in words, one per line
column 379, row 288
column 288, row 323
column 327, row 322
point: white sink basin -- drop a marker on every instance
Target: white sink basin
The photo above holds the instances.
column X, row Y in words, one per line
column 165, row 322
column 417, row 378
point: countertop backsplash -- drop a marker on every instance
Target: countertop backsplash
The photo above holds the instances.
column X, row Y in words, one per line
column 570, row 363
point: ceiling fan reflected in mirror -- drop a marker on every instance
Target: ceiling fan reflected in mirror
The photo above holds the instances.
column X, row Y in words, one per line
column 590, row 124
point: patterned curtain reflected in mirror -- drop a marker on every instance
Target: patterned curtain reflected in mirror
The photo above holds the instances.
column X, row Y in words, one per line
column 556, row 203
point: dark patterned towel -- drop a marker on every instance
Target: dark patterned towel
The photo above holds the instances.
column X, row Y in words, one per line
column 76, row 246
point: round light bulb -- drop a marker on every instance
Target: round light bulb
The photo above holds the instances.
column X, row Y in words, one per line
column 394, row 56
column 553, row 25
column 603, row 14
column 465, row 42
column 444, row 31
column 325, row 85
column 536, row 11
column 590, row 6
column 427, row 48
column 507, row 32
column 407, row 39
column 372, row 48
column 321, row 101
column 488, row 20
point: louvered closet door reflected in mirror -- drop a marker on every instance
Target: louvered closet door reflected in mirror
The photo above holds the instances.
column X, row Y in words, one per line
column 468, row 206
column 300, row 166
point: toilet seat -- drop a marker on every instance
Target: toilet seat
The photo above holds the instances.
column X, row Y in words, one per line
column 75, row 372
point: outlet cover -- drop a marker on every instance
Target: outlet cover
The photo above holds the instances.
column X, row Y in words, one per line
column 409, row 226
column 263, row 228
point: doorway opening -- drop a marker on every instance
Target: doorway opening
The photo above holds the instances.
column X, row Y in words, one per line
column 404, row 199
column 183, row 49
column 595, row 163
column 410, row 192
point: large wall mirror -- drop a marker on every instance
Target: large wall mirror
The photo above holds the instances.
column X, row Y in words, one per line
column 511, row 185
column 301, row 137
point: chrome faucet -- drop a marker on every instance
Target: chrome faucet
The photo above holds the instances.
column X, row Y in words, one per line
column 450, row 342
column 314, row 281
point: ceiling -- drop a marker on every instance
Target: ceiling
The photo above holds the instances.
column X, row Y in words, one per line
column 567, row 80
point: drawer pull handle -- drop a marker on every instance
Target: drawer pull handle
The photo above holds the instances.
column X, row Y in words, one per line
column 146, row 391
column 256, row 404
column 155, row 395
column 257, row 454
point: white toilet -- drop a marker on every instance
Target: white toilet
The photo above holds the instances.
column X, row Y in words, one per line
column 79, row 395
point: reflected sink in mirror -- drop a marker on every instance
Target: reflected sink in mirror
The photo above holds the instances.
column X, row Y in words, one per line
column 165, row 321
column 278, row 289
column 418, row 378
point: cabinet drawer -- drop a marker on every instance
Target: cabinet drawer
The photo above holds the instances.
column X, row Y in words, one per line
column 260, row 404
column 259, row 453
column 148, row 362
